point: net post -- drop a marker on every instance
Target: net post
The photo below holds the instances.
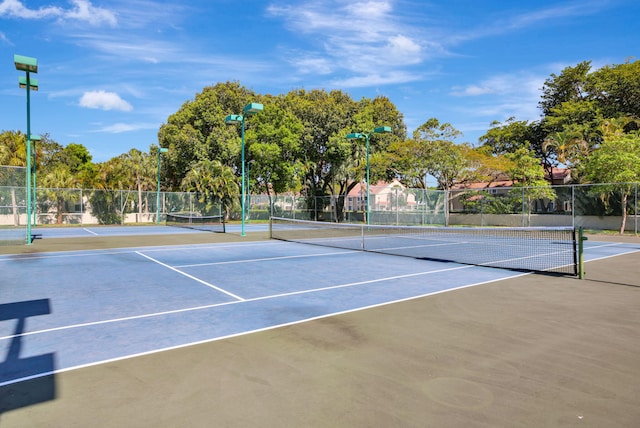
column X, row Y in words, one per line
column 270, row 227
column 581, row 239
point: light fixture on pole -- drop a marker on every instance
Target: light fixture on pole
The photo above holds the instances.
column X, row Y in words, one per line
column 28, row 65
column 160, row 151
column 33, row 86
column 359, row 136
column 249, row 168
column 35, row 139
column 249, row 109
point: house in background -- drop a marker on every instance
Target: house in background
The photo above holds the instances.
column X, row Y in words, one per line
column 558, row 176
column 460, row 191
column 384, row 197
column 501, row 187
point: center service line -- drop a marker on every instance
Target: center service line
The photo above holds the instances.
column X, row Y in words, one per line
column 191, row 277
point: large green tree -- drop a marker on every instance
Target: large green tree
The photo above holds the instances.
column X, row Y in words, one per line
column 617, row 164
column 513, row 135
column 197, row 131
column 372, row 114
column 214, row 183
column 616, row 89
column 528, row 178
column 323, row 147
column 273, row 149
column 578, row 101
column 568, row 86
column 431, row 151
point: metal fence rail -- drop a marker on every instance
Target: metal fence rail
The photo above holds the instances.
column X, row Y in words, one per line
column 595, row 206
column 12, row 204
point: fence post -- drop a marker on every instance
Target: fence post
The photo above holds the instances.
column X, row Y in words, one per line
column 81, row 207
column 397, row 208
column 573, row 206
column 424, row 204
column 523, row 208
column 446, row 207
column 581, row 239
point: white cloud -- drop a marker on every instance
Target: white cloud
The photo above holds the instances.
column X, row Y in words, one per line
column 471, row 90
column 354, row 37
column 404, row 49
column 393, row 77
column 4, row 39
column 561, row 12
column 315, row 65
column 536, row 18
column 15, row 8
column 83, row 10
column 104, row 100
column 369, row 9
column 521, row 84
column 501, row 96
column 119, row 128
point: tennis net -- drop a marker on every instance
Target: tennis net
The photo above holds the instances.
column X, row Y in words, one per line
column 530, row 249
column 208, row 223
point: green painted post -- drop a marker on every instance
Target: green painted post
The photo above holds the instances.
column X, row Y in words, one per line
column 581, row 239
column 160, row 151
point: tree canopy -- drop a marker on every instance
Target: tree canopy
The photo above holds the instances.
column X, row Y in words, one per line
column 298, row 142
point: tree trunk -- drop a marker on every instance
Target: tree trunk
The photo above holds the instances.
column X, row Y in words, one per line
column 624, row 213
column 14, row 207
column 139, row 185
column 60, row 207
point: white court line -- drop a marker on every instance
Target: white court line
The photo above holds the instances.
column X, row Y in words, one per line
column 87, row 253
column 89, row 231
column 228, row 293
column 244, row 333
column 53, row 372
column 264, row 259
column 255, row 299
column 599, row 244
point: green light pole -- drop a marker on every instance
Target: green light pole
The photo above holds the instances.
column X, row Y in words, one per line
column 249, row 167
column 35, row 139
column 28, row 65
column 160, row 151
column 249, row 110
column 359, row 136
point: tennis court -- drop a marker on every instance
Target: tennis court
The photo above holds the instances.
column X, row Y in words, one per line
column 72, row 312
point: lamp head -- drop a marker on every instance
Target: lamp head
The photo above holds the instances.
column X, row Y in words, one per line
column 252, row 108
column 33, row 83
column 163, row 150
column 233, row 118
column 25, row 63
column 382, row 129
column 355, row 136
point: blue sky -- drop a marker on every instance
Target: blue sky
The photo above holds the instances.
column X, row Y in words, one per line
column 111, row 72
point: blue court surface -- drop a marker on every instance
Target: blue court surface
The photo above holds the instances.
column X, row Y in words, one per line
column 60, row 311
column 90, row 231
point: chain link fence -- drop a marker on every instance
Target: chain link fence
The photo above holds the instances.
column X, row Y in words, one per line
column 595, row 206
column 598, row 206
column 90, row 207
column 13, row 205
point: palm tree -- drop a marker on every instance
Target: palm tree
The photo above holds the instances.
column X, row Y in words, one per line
column 140, row 170
column 214, row 183
column 13, row 153
column 569, row 146
column 60, row 183
column 617, row 127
